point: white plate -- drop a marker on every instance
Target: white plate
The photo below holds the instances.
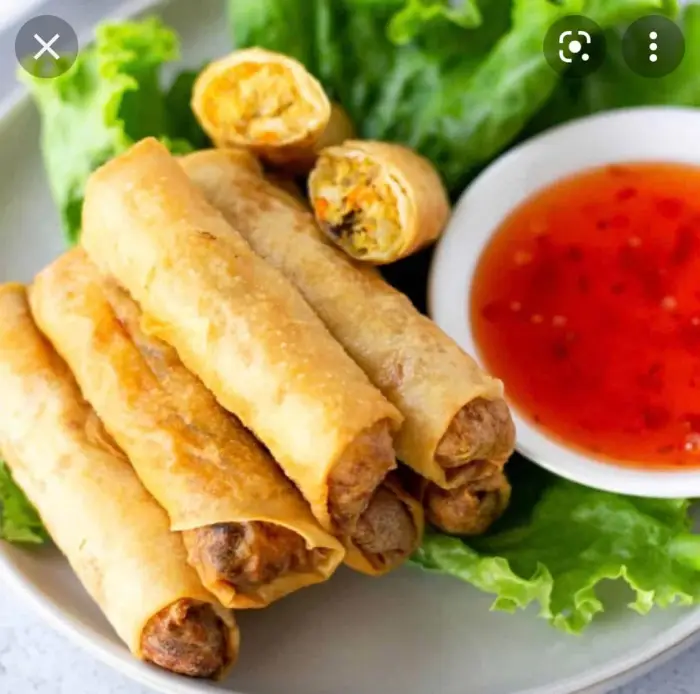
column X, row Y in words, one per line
column 409, row 633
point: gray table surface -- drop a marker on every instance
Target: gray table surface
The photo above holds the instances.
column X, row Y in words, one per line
column 35, row 659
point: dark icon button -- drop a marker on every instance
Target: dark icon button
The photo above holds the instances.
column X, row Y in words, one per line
column 574, row 46
column 653, row 46
column 46, row 46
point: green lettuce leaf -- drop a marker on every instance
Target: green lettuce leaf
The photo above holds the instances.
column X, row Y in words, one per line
column 19, row 522
column 614, row 85
column 182, row 119
column 574, row 539
column 406, row 24
column 107, row 100
column 457, row 81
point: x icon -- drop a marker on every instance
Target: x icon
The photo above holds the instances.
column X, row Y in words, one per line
column 46, row 47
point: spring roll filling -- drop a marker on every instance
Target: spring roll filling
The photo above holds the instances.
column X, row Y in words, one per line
column 483, row 429
column 470, row 509
column 259, row 102
column 357, row 203
column 385, row 532
column 358, row 473
column 250, row 555
column 188, row 638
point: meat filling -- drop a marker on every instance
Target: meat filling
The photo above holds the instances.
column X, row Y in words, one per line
column 386, row 529
column 470, row 509
column 249, row 555
column 483, row 429
column 188, row 638
column 358, row 473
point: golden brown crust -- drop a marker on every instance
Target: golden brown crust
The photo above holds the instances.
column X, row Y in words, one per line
column 115, row 536
column 234, row 320
column 197, row 460
column 421, row 370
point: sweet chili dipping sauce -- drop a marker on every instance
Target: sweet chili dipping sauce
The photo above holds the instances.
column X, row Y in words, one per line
column 586, row 303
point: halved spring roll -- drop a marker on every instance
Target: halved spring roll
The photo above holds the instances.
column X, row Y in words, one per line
column 270, row 103
column 240, row 326
column 249, row 533
column 455, row 414
column 377, row 201
column 113, row 533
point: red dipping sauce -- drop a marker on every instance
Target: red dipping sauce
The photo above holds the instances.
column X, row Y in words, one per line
column 586, row 303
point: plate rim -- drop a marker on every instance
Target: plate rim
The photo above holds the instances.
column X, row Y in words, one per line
column 667, row 644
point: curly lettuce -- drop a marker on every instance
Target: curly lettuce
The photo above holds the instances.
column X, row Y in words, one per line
column 615, row 85
column 19, row 522
column 573, row 539
column 106, row 101
column 458, row 81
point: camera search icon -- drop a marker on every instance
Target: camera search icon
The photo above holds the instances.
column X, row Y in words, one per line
column 574, row 46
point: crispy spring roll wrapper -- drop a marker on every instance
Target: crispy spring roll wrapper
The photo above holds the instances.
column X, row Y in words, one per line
column 269, row 103
column 244, row 329
column 455, row 415
column 249, row 533
column 378, row 201
column 285, row 184
column 113, row 533
column 245, row 159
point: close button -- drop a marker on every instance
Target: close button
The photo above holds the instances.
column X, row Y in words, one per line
column 46, row 46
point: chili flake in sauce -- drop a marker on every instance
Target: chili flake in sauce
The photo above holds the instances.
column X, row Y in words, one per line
column 586, row 302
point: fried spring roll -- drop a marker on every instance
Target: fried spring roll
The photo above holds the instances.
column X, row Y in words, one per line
column 112, row 532
column 377, row 201
column 388, row 531
column 269, row 103
column 249, row 533
column 470, row 509
column 240, row 326
column 455, row 415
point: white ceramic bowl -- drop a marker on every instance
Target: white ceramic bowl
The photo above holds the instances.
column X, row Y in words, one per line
column 640, row 134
